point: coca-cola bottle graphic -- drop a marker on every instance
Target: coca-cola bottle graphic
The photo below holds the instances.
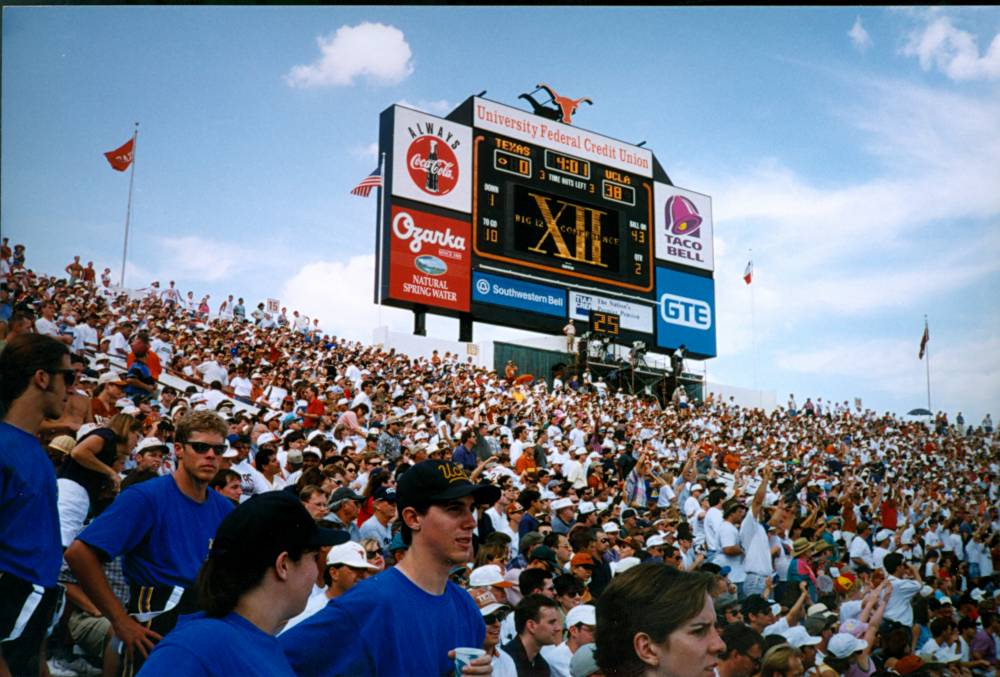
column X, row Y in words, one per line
column 432, row 169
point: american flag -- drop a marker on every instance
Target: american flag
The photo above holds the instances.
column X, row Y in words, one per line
column 373, row 180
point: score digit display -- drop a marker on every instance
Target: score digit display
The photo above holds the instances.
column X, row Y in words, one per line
column 605, row 324
column 540, row 209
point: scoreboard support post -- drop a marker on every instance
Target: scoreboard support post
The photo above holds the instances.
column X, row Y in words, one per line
column 420, row 320
column 465, row 328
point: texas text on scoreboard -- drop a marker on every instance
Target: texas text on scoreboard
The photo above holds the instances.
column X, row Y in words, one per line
column 519, row 220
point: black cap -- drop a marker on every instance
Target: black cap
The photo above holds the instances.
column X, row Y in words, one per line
column 269, row 524
column 544, row 553
column 385, row 494
column 342, row 494
column 755, row 604
column 440, row 481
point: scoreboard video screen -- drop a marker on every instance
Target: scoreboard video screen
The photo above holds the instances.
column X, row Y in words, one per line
column 547, row 210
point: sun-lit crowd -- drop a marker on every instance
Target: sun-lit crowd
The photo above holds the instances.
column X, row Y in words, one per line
column 564, row 527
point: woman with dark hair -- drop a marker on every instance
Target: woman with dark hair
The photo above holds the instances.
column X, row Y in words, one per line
column 259, row 573
column 89, row 468
column 654, row 620
column 266, row 463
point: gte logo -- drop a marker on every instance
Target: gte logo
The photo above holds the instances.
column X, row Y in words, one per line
column 685, row 312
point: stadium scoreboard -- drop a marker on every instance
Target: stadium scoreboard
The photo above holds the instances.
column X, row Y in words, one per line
column 569, row 216
column 521, row 219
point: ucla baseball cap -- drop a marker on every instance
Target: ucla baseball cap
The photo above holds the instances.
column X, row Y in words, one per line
column 438, row 482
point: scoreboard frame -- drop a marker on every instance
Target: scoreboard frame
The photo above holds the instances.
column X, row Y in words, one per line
column 499, row 183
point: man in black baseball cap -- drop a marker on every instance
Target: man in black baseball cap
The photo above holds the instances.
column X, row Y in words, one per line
column 413, row 606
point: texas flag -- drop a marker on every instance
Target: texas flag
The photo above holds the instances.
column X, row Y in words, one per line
column 748, row 273
column 121, row 158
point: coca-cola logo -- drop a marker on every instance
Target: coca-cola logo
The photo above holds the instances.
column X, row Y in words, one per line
column 432, row 164
column 406, row 229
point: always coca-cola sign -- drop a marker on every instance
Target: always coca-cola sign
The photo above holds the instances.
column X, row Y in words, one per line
column 431, row 160
column 432, row 165
column 429, row 259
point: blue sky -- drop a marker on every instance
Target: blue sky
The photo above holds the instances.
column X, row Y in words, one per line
column 855, row 150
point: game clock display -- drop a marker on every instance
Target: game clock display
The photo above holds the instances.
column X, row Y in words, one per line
column 550, row 211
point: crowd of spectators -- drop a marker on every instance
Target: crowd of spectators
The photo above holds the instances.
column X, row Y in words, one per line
column 562, row 530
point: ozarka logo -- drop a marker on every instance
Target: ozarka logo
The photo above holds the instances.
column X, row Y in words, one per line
column 682, row 217
column 406, row 229
column 432, row 164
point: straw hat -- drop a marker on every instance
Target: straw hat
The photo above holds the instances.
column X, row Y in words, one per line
column 63, row 444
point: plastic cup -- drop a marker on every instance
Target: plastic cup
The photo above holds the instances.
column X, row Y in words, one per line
column 465, row 655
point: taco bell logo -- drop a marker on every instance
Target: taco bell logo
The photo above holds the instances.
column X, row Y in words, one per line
column 686, row 312
column 682, row 217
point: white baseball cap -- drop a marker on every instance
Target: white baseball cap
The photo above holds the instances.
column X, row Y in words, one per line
column 582, row 613
column 586, row 507
column 265, row 438
column 843, row 644
column 656, row 541
column 798, row 637
column 561, row 503
column 487, row 575
column 149, row 442
column 611, row 528
column 350, row 554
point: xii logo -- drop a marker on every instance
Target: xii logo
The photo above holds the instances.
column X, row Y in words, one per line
column 579, row 224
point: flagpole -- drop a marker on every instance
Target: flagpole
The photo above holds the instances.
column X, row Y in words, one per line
column 927, row 354
column 128, row 209
column 378, row 245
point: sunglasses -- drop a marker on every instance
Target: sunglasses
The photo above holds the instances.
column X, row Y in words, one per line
column 69, row 375
column 203, row 447
column 371, row 554
column 495, row 617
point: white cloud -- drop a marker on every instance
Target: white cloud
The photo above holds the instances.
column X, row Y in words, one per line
column 375, row 51
column 953, row 51
column 200, row 259
column 340, row 294
column 439, row 107
column 367, row 152
column 859, row 36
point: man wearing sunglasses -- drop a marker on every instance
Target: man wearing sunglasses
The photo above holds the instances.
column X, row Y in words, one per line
column 36, row 375
column 493, row 614
column 163, row 528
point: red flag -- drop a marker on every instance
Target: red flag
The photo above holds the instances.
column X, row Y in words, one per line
column 748, row 273
column 923, row 341
column 121, row 158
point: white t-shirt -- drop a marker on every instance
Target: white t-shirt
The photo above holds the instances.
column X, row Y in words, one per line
column 212, row 371
column 713, row 523
column 241, row 386
column 46, row 327
column 503, row 665
column 861, row 550
column 729, row 536
column 119, row 345
column 757, row 552
column 558, row 658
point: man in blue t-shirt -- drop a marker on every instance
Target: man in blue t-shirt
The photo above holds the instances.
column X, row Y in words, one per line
column 36, row 374
column 163, row 528
column 408, row 619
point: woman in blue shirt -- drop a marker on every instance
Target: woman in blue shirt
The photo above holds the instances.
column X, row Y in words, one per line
column 259, row 573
